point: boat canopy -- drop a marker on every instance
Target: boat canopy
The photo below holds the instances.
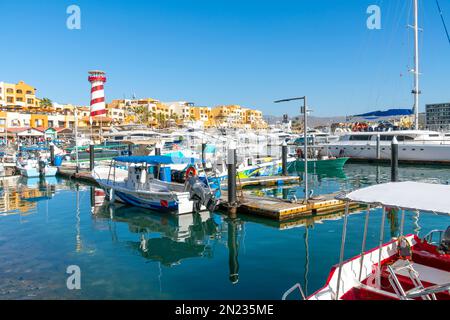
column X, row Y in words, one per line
column 386, row 113
column 406, row 195
column 157, row 159
column 34, row 148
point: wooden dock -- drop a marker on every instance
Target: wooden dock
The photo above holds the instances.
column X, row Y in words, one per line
column 265, row 181
column 281, row 210
column 81, row 176
column 303, row 220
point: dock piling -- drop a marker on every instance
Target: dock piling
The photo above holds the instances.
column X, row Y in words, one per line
column 91, row 157
column 378, row 146
column 203, row 155
column 130, row 150
column 233, row 250
column 394, row 160
column 158, row 167
column 284, row 152
column 231, row 166
column 52, row 154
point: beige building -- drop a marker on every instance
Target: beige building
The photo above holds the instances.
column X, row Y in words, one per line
column 235, row 116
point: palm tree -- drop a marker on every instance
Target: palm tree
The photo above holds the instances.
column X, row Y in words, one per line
column 46, row 103
column 143, row 114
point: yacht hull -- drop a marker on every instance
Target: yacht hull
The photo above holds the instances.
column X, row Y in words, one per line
column 406, row 152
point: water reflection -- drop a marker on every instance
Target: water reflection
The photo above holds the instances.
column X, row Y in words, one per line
column 78, row 242
column 392, row 216
column 306, row 273
column 168, row 239
column 19, row 195
column 233, row 249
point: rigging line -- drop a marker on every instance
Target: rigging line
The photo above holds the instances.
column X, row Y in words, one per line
column 443, row 21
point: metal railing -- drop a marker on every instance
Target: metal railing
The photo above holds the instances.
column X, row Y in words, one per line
column 430, row 236
column 292, row 289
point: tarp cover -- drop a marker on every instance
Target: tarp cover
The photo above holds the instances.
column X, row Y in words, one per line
column 406, row 195
column 156, row 159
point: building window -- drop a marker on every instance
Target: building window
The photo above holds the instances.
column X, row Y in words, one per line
column 9, row 90
column 10, row 99
column 30, row 101
column 19, row 91
column 29, row 92
column 19, row 99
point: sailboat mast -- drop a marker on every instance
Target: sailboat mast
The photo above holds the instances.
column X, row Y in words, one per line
column 416, row 90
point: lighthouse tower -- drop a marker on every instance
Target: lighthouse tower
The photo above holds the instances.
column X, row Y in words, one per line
column 97, row 79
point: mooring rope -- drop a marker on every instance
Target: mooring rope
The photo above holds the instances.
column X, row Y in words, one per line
column 443, row 21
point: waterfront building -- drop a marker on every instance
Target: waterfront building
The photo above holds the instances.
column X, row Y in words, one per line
column 25, row 134
column 20, row 96
column 129, row 111
column 3, row 116
column 117, row 115
column 20, row 107
column 180, row 110
column 201, row 114
column 438, row 116
column 235, row 116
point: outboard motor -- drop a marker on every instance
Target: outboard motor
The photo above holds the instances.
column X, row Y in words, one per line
column 42, row 163
column 201, row 194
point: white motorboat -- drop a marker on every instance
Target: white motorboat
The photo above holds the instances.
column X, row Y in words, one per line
column 414, row 145
column 32, row 168
column 145, row 181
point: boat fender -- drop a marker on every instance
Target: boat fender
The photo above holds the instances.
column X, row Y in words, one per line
column 190, row 172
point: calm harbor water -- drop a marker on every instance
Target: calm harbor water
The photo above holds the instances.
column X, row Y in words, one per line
column 129, row 253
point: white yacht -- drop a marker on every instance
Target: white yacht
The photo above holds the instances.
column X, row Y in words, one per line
column 414, row 145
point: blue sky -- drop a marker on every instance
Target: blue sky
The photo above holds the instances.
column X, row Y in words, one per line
column 211, row 52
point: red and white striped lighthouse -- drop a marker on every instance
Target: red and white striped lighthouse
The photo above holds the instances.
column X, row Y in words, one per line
column 97, row 79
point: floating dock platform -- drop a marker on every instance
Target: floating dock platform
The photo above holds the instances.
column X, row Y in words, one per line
column 265, row 181
column 281, row 210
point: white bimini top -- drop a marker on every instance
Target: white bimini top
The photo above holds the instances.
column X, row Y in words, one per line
column 407, row 195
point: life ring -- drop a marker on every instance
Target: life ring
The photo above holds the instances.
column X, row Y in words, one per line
column 190, row 172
